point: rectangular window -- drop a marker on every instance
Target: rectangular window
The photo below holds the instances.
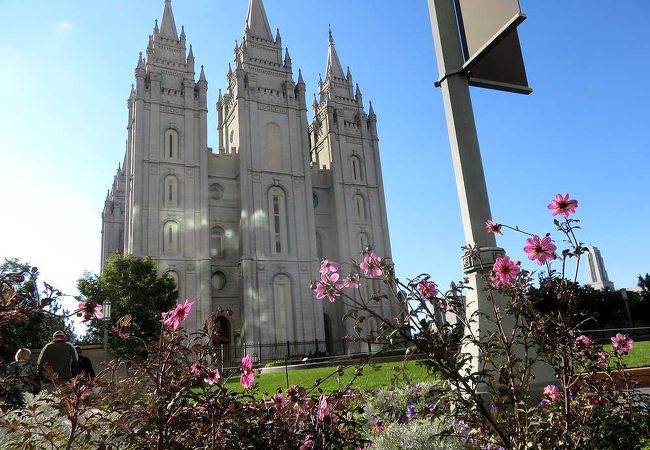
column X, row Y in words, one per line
column 171, row 147
column 276, row 224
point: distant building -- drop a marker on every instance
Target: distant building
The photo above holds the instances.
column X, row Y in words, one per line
column 245, row 226
column 598, row 278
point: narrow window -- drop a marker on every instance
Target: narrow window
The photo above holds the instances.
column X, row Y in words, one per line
column 170, row 237
column 363, row 242
column 283, row 308
column 171, row 146
column 355, row 166
column 216, row 242
column 170, row 193
column 360, row 207
column 277, row 220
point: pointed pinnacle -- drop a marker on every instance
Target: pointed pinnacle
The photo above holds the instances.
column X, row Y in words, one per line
column 182, row 31
column 315, row 102
column 202, row 76
column 220, row 97
column 140, row 61
column 331, row 39
column 191, row 53
column 300, row 80
column 371, row 112
column 155, row 28
column 277, row 35
column 286, row 55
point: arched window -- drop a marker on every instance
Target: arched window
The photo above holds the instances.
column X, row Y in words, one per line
column 278, row 220
column 283, row 307
column 170, row 192
column 216, row 242
column 373, row 329
column 360, row 208
column 273, row 146
column 355, row 168
column 363, row 242
column 319, row 245
column 171, row 144
column 170, row 237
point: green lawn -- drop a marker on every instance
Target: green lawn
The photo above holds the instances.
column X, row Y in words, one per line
column 373, row 376
column 638, row 357
column 381, row 374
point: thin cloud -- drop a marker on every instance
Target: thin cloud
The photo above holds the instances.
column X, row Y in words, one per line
column 63, row 26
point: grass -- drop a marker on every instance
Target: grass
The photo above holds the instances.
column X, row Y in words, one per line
column 638, row 357
column 374, row 376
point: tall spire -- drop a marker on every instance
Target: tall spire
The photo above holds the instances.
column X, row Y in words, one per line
column 256, row 22
column 333, row 64
column 168, row 26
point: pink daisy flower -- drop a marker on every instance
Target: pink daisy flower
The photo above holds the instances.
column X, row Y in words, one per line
column 504, row 271
column 540, row 249
column 563, row 205
column 212, row 376
column 428, row 289
column 622, row 344
column 583, row 341
column 90, row 311
column 494, row 227
column 247, row 377
column 174, row 317
column 371, row 265
column 327, row 266
column 551, row 393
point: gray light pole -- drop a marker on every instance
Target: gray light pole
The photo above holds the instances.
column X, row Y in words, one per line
column 468, row 167
column 107, row 322
column 466, row 155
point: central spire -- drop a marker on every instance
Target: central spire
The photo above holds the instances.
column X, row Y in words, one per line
column 257, row 23
column 334, row 68
column 168, row 26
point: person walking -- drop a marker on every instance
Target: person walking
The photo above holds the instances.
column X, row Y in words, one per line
column 84, row 365
column 60, row 356
column 21, row 376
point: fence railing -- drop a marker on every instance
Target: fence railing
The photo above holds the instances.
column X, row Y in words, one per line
column 640, row 333
column 263, row 353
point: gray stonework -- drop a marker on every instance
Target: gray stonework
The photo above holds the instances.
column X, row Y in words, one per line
column 245, row 226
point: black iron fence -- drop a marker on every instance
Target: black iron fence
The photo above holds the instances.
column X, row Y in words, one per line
column 281, row 352
column 637, row 333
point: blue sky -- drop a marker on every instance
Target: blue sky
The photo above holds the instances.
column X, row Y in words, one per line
column 67, row 67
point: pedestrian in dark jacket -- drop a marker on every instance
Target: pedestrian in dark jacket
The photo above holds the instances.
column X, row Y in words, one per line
column 21, row 377
column 84, row 365
column 60, row 356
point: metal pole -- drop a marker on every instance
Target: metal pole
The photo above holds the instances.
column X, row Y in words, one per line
column 470, row 178
column 466, row 155
column 106, row 322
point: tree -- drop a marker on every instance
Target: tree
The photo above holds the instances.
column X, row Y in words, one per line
column 134, row 287
column 43, row 313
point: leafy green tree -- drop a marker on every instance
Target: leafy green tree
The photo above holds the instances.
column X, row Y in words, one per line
column 44, row 313
column 135, row 288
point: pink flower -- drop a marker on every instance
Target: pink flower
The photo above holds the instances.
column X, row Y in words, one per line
column 327, row 266
column 197, row 369
column 328, row 286
column 174, row 317
column 494, row 227
column 248, row 375
column 279, row 400
column 323, row 408
column 504, row 271
column 562, row 205
column 428, row 289
column 602, row 358
column 551, row 393
column 371, row 265
column 352, row 281
column 583, row 341
column 622, row 344
column 307, row 443
column 212, row 376
column 540, row 250
column 90, row 311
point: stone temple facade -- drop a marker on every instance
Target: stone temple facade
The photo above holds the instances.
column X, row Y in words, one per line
column 246, row 225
